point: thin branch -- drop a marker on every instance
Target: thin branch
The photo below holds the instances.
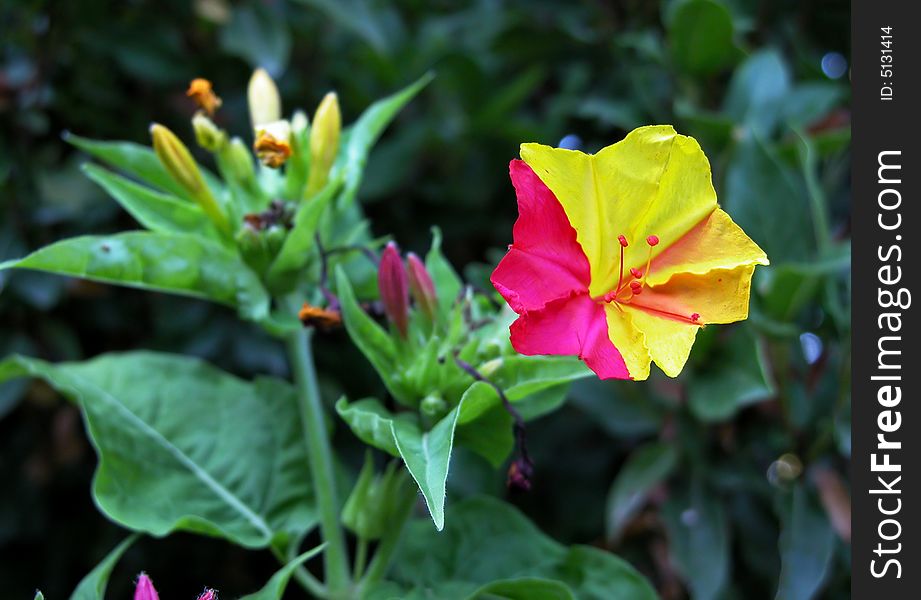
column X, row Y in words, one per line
column 521, row 470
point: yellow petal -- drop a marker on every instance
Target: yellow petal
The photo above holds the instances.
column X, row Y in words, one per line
column 628, row 341
column 718, row 296
column 714, row 243
column 668, row 341
column 653, row 182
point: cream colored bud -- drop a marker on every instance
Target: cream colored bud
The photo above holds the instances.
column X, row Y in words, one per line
column 324, row 142
column 299, row 122
column 264, row 100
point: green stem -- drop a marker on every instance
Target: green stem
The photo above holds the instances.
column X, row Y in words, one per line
column 384, row 553
column 321, row 460
column 303, row 576
column 361, row 558
column 817, row 203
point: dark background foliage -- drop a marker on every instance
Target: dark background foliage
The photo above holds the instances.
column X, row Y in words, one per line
column 721, row 477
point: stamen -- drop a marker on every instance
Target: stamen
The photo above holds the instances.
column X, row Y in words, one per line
column 694, row 319
column 623, row 244
column 636, row 287
column 652, row 240
column 636, row 273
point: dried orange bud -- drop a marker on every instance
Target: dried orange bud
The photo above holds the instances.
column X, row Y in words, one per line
column 272, row 152
column 202, row 93
column 314, row 316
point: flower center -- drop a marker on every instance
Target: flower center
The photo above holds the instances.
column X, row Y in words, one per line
column 633, row 284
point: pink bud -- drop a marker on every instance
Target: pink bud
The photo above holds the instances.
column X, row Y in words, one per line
column 145, row 589
column 422, row 286
column 393, row 287
column 208, row 594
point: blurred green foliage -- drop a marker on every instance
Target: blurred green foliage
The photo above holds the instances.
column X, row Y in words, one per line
column 729, row 482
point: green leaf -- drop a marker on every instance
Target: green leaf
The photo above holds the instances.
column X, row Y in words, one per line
column 140, row 162
column 698, row 533
column 810, row 101
column 300, row 244
column 787, row 289
column 807, row 544
column 427, row 455
column 93, row 586
column 447, row 282
column 134, row 159
column 536, row 385
column 367, row 129
column 186, row 447
column 375, row 343
column 741, row 379
column 275, row 587
column 156, row 211
column 490, row 435
column 259, row 35
column 360, row 18
column 700, row 34
column 519, row 377
column 371, row 422
column 525, row 588
column 486, row 540
column 645, row 468
column 758, row 91
column 178, row 263
column 621, row 409
column 768, row 200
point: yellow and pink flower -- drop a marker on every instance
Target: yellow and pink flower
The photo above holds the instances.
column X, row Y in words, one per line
column 619, row 257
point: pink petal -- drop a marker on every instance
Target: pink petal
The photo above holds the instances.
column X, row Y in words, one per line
column 571, row 326
column 545, row 262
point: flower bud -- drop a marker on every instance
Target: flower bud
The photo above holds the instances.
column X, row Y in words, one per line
column 299, row 122
column 144, row 590
column 376, row 500
column 239, row 161
column 324, row 142
column 394, row 288
column 355, row 515
column 178, row 161
column 202, row 93
column 208, row 594
column 274, row 238
column 253, row 247
column 208, row 135
column 264, row 100
column 422, row 286
column 433, row 406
